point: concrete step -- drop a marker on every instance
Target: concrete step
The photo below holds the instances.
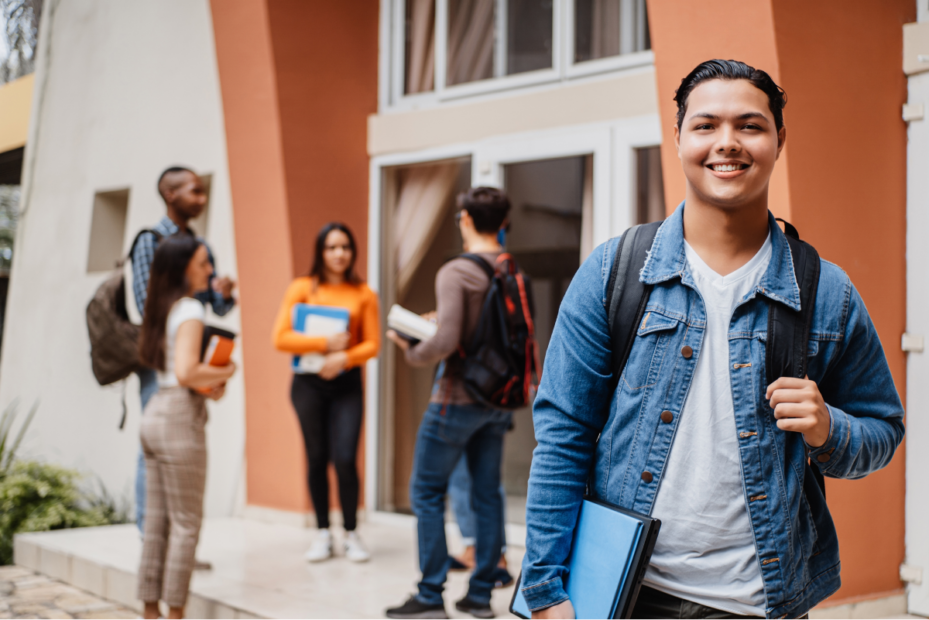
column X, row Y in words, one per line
column 258, row 569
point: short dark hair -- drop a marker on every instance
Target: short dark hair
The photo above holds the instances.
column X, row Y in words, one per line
column 317, row 270
column 166, row 172
column 731, row 70
column 487, row 206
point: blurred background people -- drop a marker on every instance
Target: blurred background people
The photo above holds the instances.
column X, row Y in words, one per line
column 455, row 425
column 185, row 198
column 329, row 402
column 173, row 428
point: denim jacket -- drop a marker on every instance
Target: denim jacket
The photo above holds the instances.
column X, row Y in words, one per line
column 590, row 437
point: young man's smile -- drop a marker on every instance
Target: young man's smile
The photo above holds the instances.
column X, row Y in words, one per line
column 728, row 169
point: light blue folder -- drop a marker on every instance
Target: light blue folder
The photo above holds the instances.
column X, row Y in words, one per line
column 298, row 319
column 610, row 551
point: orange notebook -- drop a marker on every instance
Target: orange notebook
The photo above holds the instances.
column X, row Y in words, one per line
column 216, row 348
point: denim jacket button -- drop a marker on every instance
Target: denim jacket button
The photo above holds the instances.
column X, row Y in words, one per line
column 687, row 352
column 667, row 417
column 647, row 476
column 822, row 458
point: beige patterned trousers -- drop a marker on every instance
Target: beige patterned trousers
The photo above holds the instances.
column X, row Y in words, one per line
column 174, row 443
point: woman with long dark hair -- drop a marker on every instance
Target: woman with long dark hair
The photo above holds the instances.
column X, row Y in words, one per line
column 173, row 436
column 328, row 399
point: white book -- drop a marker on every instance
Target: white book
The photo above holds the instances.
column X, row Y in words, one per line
column 409, row 324
column 316, row 321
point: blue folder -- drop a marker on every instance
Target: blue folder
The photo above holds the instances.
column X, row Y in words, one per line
column 609, row 555
column 298, row 316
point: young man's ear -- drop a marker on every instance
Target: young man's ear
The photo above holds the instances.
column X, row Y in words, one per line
column 781, row 140
column 677, row 140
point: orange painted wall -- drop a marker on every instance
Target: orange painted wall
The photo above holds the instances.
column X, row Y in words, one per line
column 840, row 64
column 274, row 462
column 326, row 62
column 298, row 80
column 841, row 180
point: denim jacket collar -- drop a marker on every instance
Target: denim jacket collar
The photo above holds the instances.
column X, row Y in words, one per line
column 666, row 260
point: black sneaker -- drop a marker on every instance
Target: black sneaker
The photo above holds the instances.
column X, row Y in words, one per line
column 415, row 608
column 478, row 610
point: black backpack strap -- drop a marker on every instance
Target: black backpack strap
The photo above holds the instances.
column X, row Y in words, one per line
column 788, row 330
column 483, row 264
column 158, row 237
column 626, row 296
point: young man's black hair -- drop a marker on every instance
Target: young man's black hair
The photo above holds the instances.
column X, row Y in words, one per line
column 731, row 70
column 487, row 206
column 161, row 185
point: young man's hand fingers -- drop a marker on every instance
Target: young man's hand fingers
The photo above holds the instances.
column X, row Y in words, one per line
column 794, row 410
column 796, row 425
column 789, row 383
column 785, row 395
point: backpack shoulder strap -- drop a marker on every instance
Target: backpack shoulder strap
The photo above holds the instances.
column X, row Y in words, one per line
column 626, row 295
column 158, row 237
column 483, row 264
column 789, row 330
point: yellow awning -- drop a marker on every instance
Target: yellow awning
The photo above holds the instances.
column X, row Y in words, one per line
column 15, row 105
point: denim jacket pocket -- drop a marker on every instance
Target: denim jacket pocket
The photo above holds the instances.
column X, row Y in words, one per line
column 647, row 354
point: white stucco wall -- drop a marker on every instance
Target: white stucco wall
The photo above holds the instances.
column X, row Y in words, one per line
column 917, row 322
column 129, row 89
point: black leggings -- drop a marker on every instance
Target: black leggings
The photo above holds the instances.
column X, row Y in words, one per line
column 330, row 415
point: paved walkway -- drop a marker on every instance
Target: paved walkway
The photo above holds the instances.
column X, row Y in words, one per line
column 27, row 594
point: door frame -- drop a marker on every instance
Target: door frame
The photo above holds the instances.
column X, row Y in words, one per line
column 613, row 146
column 917, row 365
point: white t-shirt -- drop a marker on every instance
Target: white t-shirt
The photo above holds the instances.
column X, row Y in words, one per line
column 184, row 309
column 705, row 552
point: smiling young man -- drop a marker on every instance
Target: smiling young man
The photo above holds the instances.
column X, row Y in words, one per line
column 692, row 433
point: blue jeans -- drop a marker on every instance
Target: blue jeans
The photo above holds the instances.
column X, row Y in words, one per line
column 148, row 387
column 459, row 491
column 477, row 433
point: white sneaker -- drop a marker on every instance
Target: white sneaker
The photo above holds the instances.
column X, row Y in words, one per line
column 355, row 549
column 321, row 549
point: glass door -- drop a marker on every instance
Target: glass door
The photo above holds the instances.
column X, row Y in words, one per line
column 559, row 189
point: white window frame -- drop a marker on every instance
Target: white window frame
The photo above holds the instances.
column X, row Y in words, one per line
column 563, row 68
column 612, row 145
column 624, row 60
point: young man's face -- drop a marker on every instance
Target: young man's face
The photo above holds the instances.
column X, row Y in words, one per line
column 728, row 142
column 189, row 195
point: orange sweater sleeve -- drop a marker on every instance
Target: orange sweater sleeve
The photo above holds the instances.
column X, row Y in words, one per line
column 369, row 341
column 284, row 337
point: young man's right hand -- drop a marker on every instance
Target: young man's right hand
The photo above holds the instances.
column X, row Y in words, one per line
column 564, row 609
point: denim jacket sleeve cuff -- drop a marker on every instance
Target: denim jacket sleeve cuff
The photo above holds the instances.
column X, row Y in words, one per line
column 831, row 451
column 545, row 594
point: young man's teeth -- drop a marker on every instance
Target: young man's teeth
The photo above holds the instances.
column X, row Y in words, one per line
column 727, row 167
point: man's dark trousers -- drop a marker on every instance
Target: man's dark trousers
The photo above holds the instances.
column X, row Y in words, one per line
column 444, row 435
column 655, row 605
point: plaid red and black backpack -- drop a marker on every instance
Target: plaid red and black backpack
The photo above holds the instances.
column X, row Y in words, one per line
column 500, row 368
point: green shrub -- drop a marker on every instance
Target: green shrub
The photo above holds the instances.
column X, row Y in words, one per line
column 37, row 497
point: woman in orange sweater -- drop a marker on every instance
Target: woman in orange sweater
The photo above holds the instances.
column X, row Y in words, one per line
column 329, row 402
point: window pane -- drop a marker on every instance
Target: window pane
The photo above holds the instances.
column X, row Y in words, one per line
column 649, row 186
column 419, row 46
column 470, row 41
column 596, row 29
column 478, row 51
column 529, row 35
column 605, row 28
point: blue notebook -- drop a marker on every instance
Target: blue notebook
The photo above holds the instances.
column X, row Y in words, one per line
column 315, row 320
column 608, row 558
